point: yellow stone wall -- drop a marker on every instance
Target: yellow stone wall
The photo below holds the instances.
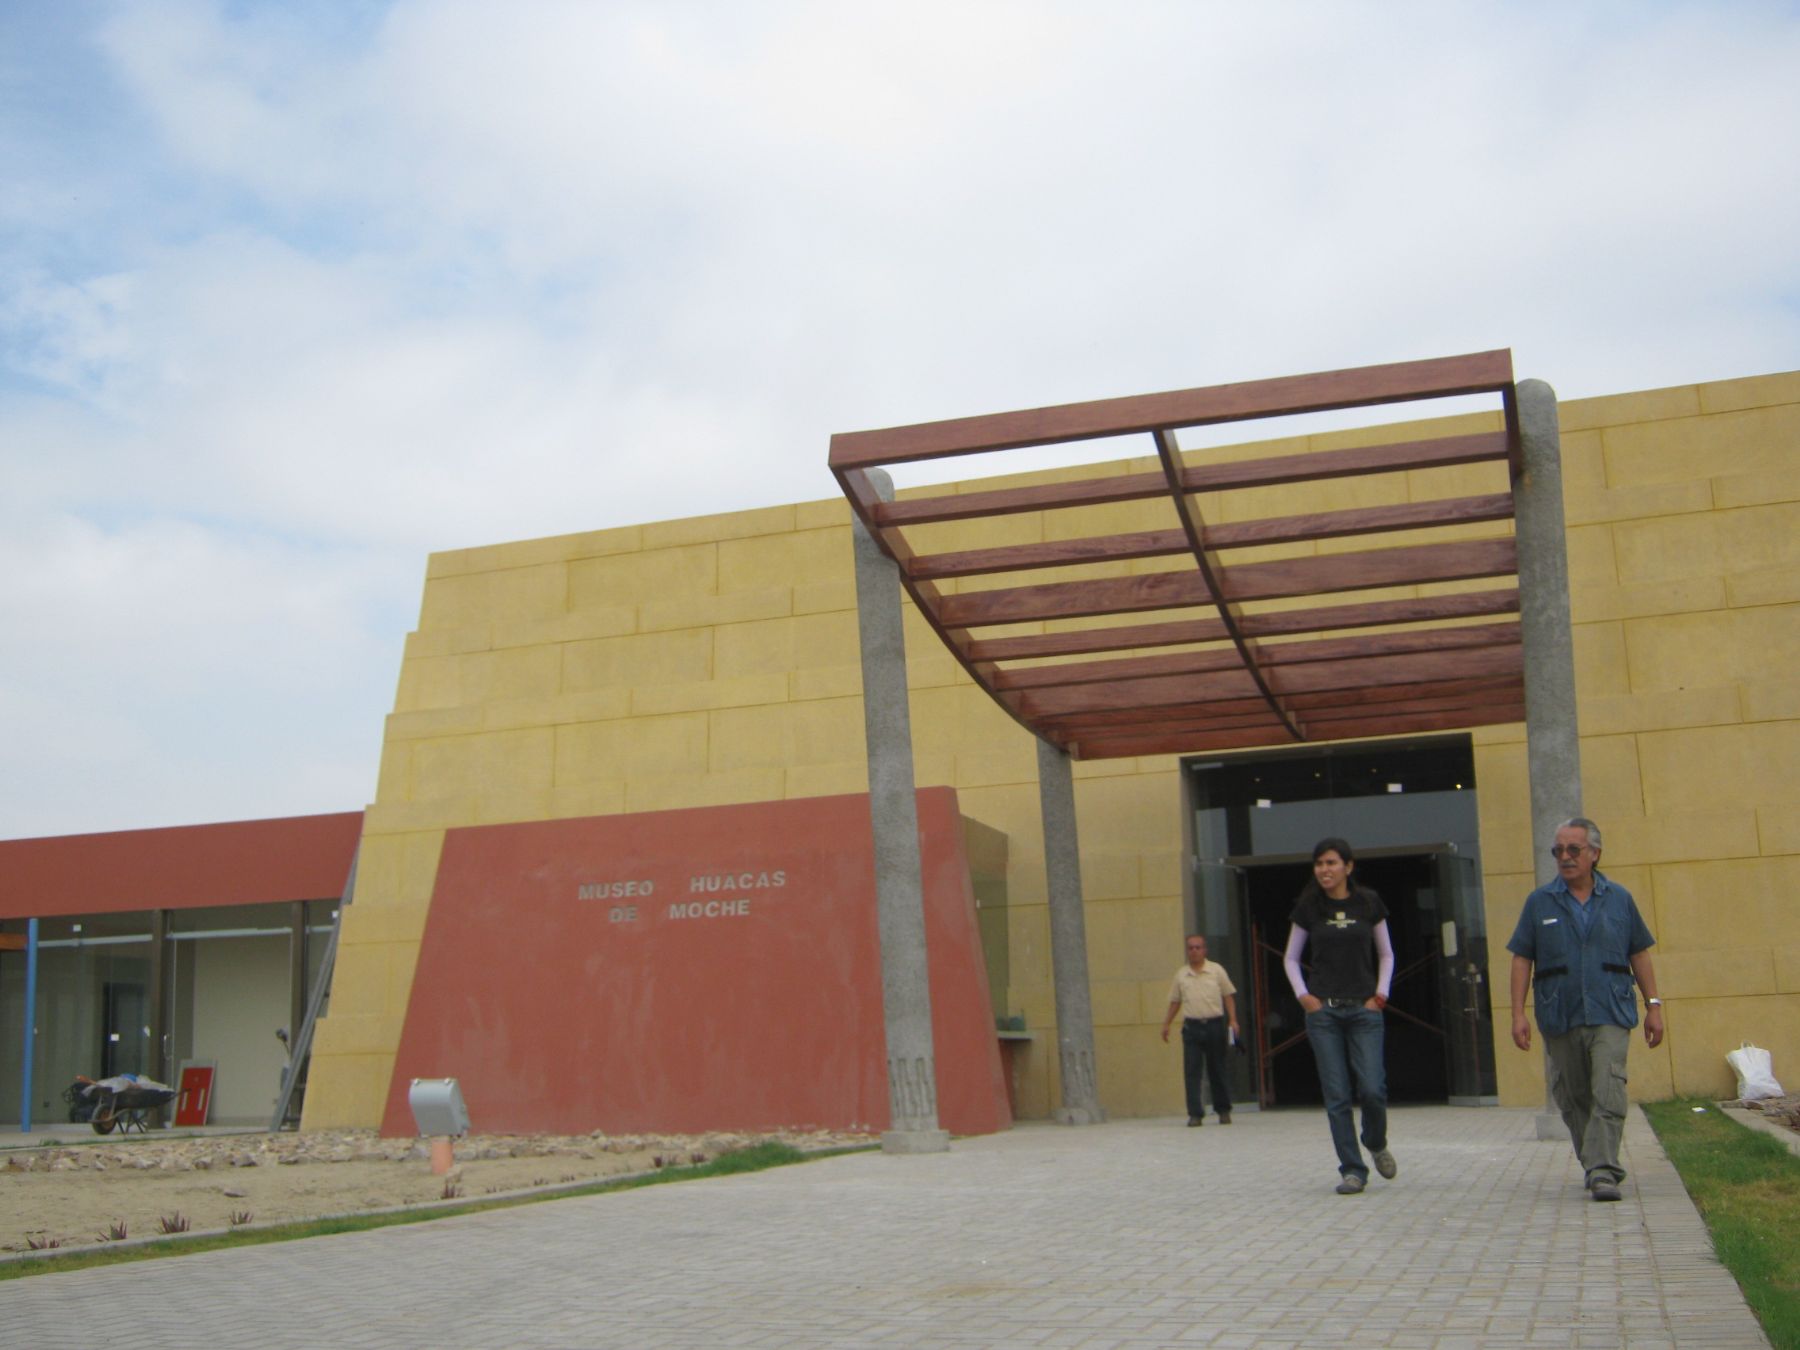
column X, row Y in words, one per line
column 714, row 660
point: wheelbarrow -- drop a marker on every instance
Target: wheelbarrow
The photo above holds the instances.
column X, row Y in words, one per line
column 120, row 1102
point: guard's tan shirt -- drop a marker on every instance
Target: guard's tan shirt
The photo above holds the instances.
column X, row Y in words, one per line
column 1201, row 993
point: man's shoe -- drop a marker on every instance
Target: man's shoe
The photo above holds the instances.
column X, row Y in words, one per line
column 1385, row 1164
column 1351, row 1184
column 1606, row 1190
column 1195, row 1120
column 1224, row 1117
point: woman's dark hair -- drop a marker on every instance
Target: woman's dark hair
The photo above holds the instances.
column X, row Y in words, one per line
column 1341, row 847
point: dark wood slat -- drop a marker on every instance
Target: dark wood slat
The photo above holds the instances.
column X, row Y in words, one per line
column 1364, row 520
column 1464, row 638
column 1127, row 668
column 1372, row 569
column 1130, row 487
column 1322, row 704
column 1238, row 739
column 1270, row 654
column 1120, row 694
column 1407, row 381
column 1203, row 710
column 1479, row 688
column 976, row 562
column 1356, row 461
column 1515, row 449
column 1417, row 668
column 1322, row 575
column 1076, row 599
column 1483, row 689
column 1083, row 641
column 1178, row 743
column 1212, row 573
column 1262, row 720
column 1184, row 631
column 1318, row 466
column 1243, row 534
column 1375, row 613
column 1507, row 700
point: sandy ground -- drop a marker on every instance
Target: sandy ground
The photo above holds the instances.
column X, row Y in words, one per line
column 73, row 1195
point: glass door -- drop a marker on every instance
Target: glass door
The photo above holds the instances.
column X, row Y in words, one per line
column 1218, row 913
column 1467, row 1000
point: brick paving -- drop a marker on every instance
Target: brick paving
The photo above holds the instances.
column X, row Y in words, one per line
column 1138, row 1233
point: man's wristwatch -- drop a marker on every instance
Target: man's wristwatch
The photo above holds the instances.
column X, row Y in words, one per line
column 1653, row 1003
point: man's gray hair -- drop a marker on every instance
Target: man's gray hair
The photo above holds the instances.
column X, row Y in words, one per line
column 1583, row 823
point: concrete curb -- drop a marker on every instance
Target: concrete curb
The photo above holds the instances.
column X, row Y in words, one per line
column 1756, row 1120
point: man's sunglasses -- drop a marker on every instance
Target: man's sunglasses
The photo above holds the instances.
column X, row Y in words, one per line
column 1566, row 850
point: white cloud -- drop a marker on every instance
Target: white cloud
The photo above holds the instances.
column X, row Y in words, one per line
column 379, row 281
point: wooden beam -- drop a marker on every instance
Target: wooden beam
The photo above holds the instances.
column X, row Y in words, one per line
column 1318, row 466
column 1439, row 694
column 1418, row 668
column 1055, row 553
column 1212, row 572
column 1245, row 738
column 1242, row 534
column 1324, row 575
column 1180, row 632
column 1406, row 381
column 1174, row 691
column 1170, row 691
column 1371, row 569
column 1077, row 599
column 1272, row 654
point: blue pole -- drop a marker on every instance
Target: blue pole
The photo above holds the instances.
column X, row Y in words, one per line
column 31, row 939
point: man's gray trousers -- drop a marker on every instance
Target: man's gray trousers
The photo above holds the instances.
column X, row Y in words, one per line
column 1587, row 1083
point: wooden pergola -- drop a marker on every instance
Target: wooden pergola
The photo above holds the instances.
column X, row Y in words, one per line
column 1238, row 654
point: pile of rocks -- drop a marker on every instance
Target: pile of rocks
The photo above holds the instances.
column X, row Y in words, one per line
column 200, row 1153
column 1781, row 1110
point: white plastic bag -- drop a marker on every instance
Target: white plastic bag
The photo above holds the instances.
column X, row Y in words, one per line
column 1755, row 1069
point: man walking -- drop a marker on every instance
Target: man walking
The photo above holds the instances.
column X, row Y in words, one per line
column 1206, row 998
column 1588, row 944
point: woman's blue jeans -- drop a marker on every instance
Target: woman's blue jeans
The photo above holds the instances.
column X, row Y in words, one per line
column 1347, row 1043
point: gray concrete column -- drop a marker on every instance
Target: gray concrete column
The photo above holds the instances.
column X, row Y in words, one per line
column 1068, row 940
column 1552, row 739
column 899, row 884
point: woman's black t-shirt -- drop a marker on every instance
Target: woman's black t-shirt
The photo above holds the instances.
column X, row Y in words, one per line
column 1340, row 938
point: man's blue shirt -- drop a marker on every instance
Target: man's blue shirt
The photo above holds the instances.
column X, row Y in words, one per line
column 1582, row 955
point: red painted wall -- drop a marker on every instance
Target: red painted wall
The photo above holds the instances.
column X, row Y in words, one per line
column 242, row 862
column 564, row 982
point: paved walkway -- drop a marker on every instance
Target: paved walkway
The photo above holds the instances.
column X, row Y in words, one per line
column 1132, row 1234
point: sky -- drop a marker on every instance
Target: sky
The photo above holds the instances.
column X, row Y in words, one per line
column 294, row 294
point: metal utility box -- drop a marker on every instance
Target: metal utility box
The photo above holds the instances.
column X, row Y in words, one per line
column 437, row 1106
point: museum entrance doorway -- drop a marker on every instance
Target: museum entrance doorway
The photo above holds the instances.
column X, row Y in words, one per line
column 1408, row 809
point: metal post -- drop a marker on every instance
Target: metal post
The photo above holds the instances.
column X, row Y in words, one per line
column 297, row 941
column 158, row 1011
column 1552, row 738
column 300, row 1041
column 25, row 1085
column 1068, row 939
column 899, row 885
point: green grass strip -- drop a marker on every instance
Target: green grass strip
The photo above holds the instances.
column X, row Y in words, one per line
column 755, row 1158
column 1747, row 1187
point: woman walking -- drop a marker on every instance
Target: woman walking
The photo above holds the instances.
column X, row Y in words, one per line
column 1345, row 926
